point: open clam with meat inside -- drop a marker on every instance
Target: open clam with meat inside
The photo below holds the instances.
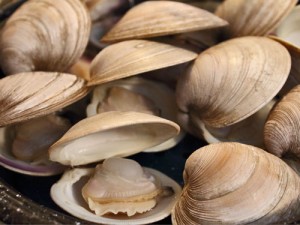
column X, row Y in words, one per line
column 163, row 70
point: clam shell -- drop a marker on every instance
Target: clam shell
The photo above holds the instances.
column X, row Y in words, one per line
column 44, row 35
column 66, row 191
column 132, row 57
column 32, row 94
column 232, row 80
column 231, row 183
column 158, row 18
column 162, row 96
column 281, row 132
column 9, row 161
column 255, row 17
column 111, row 134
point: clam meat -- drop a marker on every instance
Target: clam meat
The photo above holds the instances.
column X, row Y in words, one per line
column 118, row 191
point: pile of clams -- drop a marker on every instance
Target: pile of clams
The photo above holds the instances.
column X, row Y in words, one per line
column 87, row 84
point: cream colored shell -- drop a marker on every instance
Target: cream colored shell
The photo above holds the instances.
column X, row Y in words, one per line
column 281, row 132
column 132, row 57
column 158, row 18
column 232, row 80
column 44, row 35
column 111, row 134
column 255, row 17
column 32, row 94
column 231, row 183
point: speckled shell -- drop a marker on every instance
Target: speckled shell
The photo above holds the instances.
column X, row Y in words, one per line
column 232, row 80
column 255, row 17
column 158, row 18
column 44, row 35
column 231, row 183
column 281, row 132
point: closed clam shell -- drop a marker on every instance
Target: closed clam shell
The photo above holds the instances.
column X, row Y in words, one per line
column 232, row 183
column 158, row 18
column 281, row 132
column 132, row 57
column 32, row 94
column 255, row 17
column 111, row 134
column 44, row 35
column 232, row 80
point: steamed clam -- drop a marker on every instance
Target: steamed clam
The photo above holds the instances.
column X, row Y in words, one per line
column 135, row 57
column 159, row 18
column 24, row 146
column 118, row 185
column 28, row 95
column 110, row 134
column 231, row 81
column 253, row 18
column 140, row 95
column 44, row 35
column 281, row 132
column 232, row 183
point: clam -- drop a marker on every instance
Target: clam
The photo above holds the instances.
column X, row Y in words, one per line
column 134, row 57
column 24, row 147
column 116, row 187
column 281, row 133
column 231, row 81
column 140, row 95
column 232, row 183
column 44, row 35
column 28, row 95
column 110, row 134
column 160, row 18
column 253, row 18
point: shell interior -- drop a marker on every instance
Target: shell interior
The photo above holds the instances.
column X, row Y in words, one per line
column 111, row 134
column 161, row 95
column 67, row 191
column 8, row 161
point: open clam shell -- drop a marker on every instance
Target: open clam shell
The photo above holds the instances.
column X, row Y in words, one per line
column 158, row 18
column 162, row 97
column 67, row 191
column 28, row 95
column 111, row 134
column 9, row 161
column 255, row 17
column 232, row 80
column 132, row 57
